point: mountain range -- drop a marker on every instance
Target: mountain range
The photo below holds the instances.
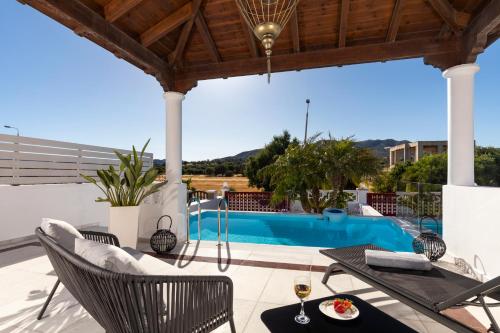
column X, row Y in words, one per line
column 378, row 147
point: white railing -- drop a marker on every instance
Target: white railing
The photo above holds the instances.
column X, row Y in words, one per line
column 25, row 160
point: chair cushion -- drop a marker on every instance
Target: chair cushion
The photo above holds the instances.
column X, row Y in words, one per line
column 62, row 232
column 155, row 266
column 109, row 257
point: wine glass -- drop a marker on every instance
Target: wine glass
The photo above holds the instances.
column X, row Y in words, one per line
column 302, row 287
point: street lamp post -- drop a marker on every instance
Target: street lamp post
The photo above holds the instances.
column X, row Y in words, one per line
column 12, row 127
column 307, row 119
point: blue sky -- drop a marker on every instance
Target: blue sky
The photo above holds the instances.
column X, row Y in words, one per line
column 56, row 85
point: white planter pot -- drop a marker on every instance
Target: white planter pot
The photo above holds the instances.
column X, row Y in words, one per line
column 124, row 224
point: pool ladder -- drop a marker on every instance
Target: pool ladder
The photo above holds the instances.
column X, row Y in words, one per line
column 431, row 218
column 190, row 201
column 226, row 203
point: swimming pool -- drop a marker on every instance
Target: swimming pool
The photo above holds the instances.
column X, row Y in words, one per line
column 303, row 230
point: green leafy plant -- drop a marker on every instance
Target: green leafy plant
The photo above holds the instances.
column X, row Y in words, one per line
column 320, row 164
column 128, row 185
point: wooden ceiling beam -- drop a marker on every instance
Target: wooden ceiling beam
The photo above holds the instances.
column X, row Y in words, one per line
column 492, row 37
column 93, row 26
column 392, row 32
column 117, row 8
column 344, row 13
column 249, row 37
column 168, row 24
column 325, row 58
column 202, row 27
column 175, row 58
column 456, row 20
column 476, row 38
column 294, row 28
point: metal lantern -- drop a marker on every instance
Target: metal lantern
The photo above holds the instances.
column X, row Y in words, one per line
column 429, row 244
column 267, row 18
column 163, row 240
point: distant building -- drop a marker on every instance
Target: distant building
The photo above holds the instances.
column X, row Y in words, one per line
column 413, row 151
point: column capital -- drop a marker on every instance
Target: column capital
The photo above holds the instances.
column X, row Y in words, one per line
column 173, row 95
column 461, row 70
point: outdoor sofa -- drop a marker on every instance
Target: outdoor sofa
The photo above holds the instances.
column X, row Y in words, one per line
column 429, row 292
column 141, row 304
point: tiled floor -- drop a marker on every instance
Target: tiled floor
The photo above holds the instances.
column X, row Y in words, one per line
column 27, row 277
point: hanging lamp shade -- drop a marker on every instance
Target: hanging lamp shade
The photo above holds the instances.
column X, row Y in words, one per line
column 267, row 18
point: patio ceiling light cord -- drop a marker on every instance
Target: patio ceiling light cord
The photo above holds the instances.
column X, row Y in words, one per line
column 267, row 18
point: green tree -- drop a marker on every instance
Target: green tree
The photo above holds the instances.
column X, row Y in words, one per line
column 344, row 163
column 430, row 169
column 304, row 170
column 297, row 171
column 265, row 157
column 487, row 166
column 391, row 180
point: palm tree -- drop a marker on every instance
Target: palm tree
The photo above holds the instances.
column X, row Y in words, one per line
column 298, row 174
column 303, row 170
column 344, row 162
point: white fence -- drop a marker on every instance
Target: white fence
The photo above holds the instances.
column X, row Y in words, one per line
column 25, row 160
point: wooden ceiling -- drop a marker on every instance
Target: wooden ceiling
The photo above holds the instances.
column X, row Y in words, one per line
column 183, row 41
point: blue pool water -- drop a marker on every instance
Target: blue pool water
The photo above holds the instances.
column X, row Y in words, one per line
column 303, row 230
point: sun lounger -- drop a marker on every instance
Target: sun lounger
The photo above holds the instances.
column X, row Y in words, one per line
column 429, row 292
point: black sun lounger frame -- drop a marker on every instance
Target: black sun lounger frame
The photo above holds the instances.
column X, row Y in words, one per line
column 427, row 292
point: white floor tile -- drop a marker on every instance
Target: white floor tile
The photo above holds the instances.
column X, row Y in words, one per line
column 27, row 278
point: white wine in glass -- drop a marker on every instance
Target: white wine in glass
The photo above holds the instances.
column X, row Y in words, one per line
column 302, row 288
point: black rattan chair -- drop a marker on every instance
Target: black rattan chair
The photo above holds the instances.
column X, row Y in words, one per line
column 96, row 236
column 141, row 304
column 429, row 292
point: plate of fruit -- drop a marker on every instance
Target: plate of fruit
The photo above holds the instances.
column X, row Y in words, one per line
column 339, row 308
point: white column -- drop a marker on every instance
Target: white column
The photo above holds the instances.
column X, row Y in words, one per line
column 175, row 191
column 461, row 124
column 173, row 140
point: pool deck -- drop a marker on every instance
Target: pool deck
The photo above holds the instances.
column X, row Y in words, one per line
column 262, row 277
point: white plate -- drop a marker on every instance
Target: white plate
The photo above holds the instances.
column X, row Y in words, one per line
column 326, row 307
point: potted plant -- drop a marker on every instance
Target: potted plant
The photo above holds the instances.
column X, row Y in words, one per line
column 125, row 188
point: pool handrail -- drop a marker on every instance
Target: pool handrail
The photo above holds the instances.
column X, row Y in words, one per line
column 422, row 218
column 190, row 201
column 225, row 201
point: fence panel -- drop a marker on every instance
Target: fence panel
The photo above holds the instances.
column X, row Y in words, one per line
column 254, row 202
column 25, row 160
column 202, row 195
column 384, row 203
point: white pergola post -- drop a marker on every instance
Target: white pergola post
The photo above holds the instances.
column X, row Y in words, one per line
column 175, row 191
column 461, row 124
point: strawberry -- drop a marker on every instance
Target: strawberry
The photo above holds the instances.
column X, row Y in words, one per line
column 340, row 309
column 341, row 305
column 347, row 304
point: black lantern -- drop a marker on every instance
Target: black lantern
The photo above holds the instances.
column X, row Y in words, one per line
column 163, row 240
column 429, row 244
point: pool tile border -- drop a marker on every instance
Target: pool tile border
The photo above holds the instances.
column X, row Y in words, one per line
column 241, row 262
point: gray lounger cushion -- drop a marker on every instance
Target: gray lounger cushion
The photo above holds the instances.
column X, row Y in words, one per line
column 62, row 232
column 404, row 260
column 109, row 257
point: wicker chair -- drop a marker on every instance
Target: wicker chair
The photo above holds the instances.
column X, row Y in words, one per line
column 142, row 304
column 96, row 236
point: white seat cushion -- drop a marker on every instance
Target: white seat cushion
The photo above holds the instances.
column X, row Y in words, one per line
column 62, row 232
column 124, row 260
column 155, row 266
column 109, row 257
